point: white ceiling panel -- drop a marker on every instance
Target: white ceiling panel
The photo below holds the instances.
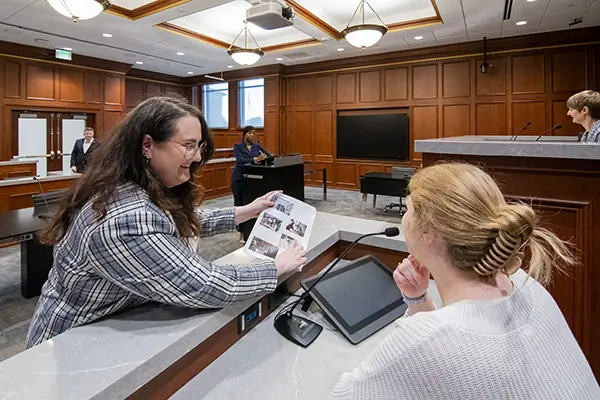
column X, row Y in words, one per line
column 131, row 4
column 226, row 21
column 338, row 13
column 560, row 6
column 482, row 12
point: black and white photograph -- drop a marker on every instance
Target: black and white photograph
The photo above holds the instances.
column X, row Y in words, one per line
column 282, row 205
column 271, row 222
column 296, row 227
column 287, row 242
column 263, row 247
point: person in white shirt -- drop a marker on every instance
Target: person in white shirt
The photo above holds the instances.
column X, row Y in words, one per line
column 499, row 334
column 82, row 149
column 584, row 108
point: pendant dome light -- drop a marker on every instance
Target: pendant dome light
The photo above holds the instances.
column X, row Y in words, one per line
column 364, row 35
column 80, row 9
column 245, row 55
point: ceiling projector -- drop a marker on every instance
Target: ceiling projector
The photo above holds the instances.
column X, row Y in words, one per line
column 271, row 15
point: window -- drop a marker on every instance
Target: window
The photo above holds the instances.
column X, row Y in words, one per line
column 252, row 102
column 215, row 105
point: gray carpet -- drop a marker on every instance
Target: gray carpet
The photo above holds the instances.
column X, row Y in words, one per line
column 16, row 311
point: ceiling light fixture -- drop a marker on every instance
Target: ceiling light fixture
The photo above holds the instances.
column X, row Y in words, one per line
column 230, row 66
column 139, row 62
column 279, row 59
column 107, row 35
column 190, row 73
column 522, row 23
column 67, row 49
column 418, row 37
column 80, row 9
column 364, row 35
column 244, row 55
column 341, row 49
column 179, row 53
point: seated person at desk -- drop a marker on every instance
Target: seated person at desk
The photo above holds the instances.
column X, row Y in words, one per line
column 123, row 238
column 499, row 333
column 246, row 152
column 584, row 108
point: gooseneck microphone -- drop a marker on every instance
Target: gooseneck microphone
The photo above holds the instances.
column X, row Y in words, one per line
column 548, row 130
column 514, row 137
column 303, row 331
column 35, row 178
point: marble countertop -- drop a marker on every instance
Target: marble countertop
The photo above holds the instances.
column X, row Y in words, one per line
column 114, row 357
column 220, row 160
column 5, row 163
column 53, row 176
column 297, row 373
column 524, row 146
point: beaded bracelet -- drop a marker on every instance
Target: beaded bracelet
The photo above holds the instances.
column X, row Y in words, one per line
column 414, row 300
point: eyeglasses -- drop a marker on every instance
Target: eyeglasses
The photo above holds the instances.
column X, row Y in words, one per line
column 191, row 149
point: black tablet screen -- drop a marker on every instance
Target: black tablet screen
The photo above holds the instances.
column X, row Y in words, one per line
column 360, row 295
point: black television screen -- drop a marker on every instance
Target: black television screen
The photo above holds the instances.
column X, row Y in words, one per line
column 382, row 136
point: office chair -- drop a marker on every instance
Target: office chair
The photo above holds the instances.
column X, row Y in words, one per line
column 401, row 173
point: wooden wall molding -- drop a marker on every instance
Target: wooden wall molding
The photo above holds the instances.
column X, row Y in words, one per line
column 39, row 54
column 145, row 10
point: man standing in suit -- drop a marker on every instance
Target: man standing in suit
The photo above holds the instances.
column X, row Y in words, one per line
column 82, row 150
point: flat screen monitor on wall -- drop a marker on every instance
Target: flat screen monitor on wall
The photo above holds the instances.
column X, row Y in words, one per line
column 378, row 136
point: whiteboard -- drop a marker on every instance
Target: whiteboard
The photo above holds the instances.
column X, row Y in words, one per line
column 32, row 142
column 72, row 129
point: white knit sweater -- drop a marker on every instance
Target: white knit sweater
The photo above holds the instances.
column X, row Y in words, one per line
column 517, row 347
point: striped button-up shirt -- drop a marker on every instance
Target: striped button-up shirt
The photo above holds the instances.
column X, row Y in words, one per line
column 592, row 136
column 135, row 255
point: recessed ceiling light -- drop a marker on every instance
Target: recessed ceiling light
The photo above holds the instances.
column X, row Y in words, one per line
column 190, row 73
column 418, row 37
column 530, row 1
column 139, row 62
column 67, row 49
column 341, row 49
column 279, row 59
column 230, row 66
column 179, row 53
column 106, row 35
column 522, row 23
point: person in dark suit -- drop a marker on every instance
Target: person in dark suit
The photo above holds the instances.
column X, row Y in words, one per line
column 246, row 152
column 82, row 150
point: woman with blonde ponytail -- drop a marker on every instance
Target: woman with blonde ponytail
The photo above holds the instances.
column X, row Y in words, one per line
column 499, row 334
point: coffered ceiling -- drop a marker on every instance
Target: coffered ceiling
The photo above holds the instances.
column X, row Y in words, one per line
column 156, row 33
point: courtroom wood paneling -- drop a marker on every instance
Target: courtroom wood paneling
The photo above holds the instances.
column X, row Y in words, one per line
column 113, row 91
column 425, row 81
column 152, row 89
column 93, row 85
column 456, row 120
column 559, row 116
column 208, row 180
column 71, row 85
column 324, row 90
column 396, row 84
column 302, row 133
column 40, row 82
column 346, row 88
column 220, row 141
column 494, row 82
column 366, row 168
column 345, row 174
column 324, row 136
column 524, row 111
column 134, row 92
column 223, row 178
column 303, row 91
column 490, row 119
column 569, row 71
column 271, row 131
column 528, row 74
column 111, row 118
column 456, row 79
column 424, row 125
column 176, row 90
column 271, row 92
column 12, row 79
column 329, row 166
column 370, row 86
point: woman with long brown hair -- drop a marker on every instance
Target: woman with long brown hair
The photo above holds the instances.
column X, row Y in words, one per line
column 122, row 237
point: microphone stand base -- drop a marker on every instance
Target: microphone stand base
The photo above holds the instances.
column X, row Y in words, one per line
column 298, row 330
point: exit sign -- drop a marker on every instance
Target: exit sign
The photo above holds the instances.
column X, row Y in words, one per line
column 63, row 54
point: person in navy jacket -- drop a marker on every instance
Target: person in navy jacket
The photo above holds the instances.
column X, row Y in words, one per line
column 82, row 149
column 246, row 152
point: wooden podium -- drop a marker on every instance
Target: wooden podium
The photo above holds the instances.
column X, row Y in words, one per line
column 285, row 173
